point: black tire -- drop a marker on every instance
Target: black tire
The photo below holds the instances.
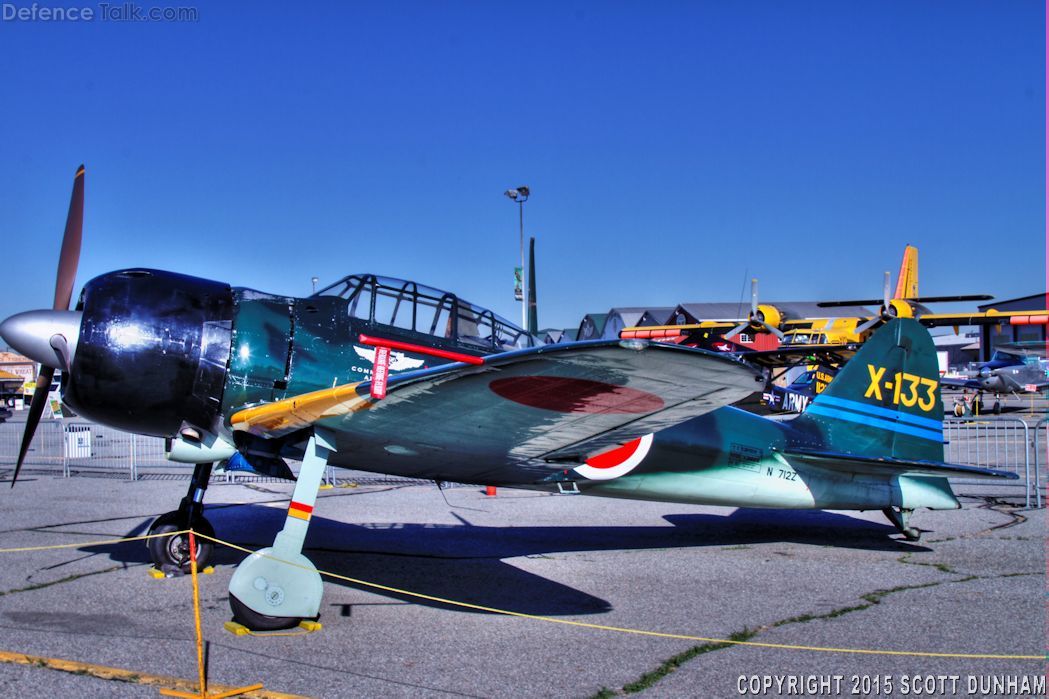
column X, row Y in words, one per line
column 243, row 614
column 997, row 408
column 172, row 552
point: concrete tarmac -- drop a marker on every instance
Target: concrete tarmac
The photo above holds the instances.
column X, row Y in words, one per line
column 974, row 584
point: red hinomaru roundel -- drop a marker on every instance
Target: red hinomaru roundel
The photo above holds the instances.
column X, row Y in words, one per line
column 616, row 462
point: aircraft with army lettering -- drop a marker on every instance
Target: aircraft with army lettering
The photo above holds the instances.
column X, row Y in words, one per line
column 226, row 371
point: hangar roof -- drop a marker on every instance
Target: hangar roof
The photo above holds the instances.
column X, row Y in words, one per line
column 1034, row 302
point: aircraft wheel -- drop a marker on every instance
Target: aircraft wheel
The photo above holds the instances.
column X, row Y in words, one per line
column 172, row 552
column 243, row 614
column 912, row 534
column 997, row 407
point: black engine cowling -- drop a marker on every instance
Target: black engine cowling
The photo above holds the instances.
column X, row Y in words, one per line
column 152, row 352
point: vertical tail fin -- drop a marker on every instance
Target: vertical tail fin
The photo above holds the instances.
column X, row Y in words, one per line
column 907, row 281
column 885, row 401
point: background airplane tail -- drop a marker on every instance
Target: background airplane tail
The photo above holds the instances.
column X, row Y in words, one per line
column 907, row 281
column 885, row 402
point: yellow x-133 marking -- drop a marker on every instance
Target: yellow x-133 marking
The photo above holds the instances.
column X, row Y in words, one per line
column 907, row 396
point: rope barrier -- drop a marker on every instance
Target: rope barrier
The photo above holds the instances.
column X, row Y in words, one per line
column 101, row 542
column 551, row 620
column 621, row 629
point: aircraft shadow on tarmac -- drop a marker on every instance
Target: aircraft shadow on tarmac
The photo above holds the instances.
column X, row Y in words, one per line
column 464, row 562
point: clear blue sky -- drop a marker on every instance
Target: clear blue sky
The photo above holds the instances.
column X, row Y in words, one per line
column 671, row 147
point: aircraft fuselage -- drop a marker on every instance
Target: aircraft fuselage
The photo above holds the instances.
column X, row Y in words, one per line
column 734, row 458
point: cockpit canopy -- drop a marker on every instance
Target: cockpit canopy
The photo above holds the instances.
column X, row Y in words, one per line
column 422, row 309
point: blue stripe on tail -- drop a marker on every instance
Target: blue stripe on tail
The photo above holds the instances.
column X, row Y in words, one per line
column 864, row 412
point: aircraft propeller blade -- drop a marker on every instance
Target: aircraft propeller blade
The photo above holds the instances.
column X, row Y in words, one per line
column 69, row 258
column 753, row 312
column 756, row 319
column 876, row 320
column 36, row 409
column 774, row 330
column 886, row 295
column 736, row 330
column 68, row 261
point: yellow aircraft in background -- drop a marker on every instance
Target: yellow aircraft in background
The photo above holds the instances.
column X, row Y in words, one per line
column 847, row 330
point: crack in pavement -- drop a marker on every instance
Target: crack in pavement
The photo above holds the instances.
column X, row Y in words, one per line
column 993, row 504
column 68, row 578
column 870, row 599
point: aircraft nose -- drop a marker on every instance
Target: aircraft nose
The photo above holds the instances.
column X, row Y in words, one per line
column 48, row 337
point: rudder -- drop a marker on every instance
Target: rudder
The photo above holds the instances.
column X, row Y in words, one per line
column 907, row 280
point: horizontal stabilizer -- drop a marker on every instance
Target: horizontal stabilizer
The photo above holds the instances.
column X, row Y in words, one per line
column 839, row 461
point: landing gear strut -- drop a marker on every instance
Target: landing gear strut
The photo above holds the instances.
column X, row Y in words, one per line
column 898, row 516
column 171, row 553
column 266, row 593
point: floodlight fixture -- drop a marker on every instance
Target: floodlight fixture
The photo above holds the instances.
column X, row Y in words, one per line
column 519, row 196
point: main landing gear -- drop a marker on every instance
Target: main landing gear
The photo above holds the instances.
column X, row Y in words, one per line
column 898, row 516
column 278, row 587
column 170, row 554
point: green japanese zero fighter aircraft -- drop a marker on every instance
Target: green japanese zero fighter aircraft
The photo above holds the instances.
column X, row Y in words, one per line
column 391, row 376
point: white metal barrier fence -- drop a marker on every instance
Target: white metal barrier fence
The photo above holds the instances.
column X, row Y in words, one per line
column 1002, row 443
column 1041, row 453
column 85, row 447
column 71, row 447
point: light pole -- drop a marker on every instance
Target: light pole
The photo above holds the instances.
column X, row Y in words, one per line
column 520, row 195
column 314, row 281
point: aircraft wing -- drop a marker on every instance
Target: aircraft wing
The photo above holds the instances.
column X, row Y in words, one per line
column 549, row 403
column 977, row 384
column 1025, row 348
column 991, row 317
column 960, row 382
column 797, row 355
column 853, row 463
